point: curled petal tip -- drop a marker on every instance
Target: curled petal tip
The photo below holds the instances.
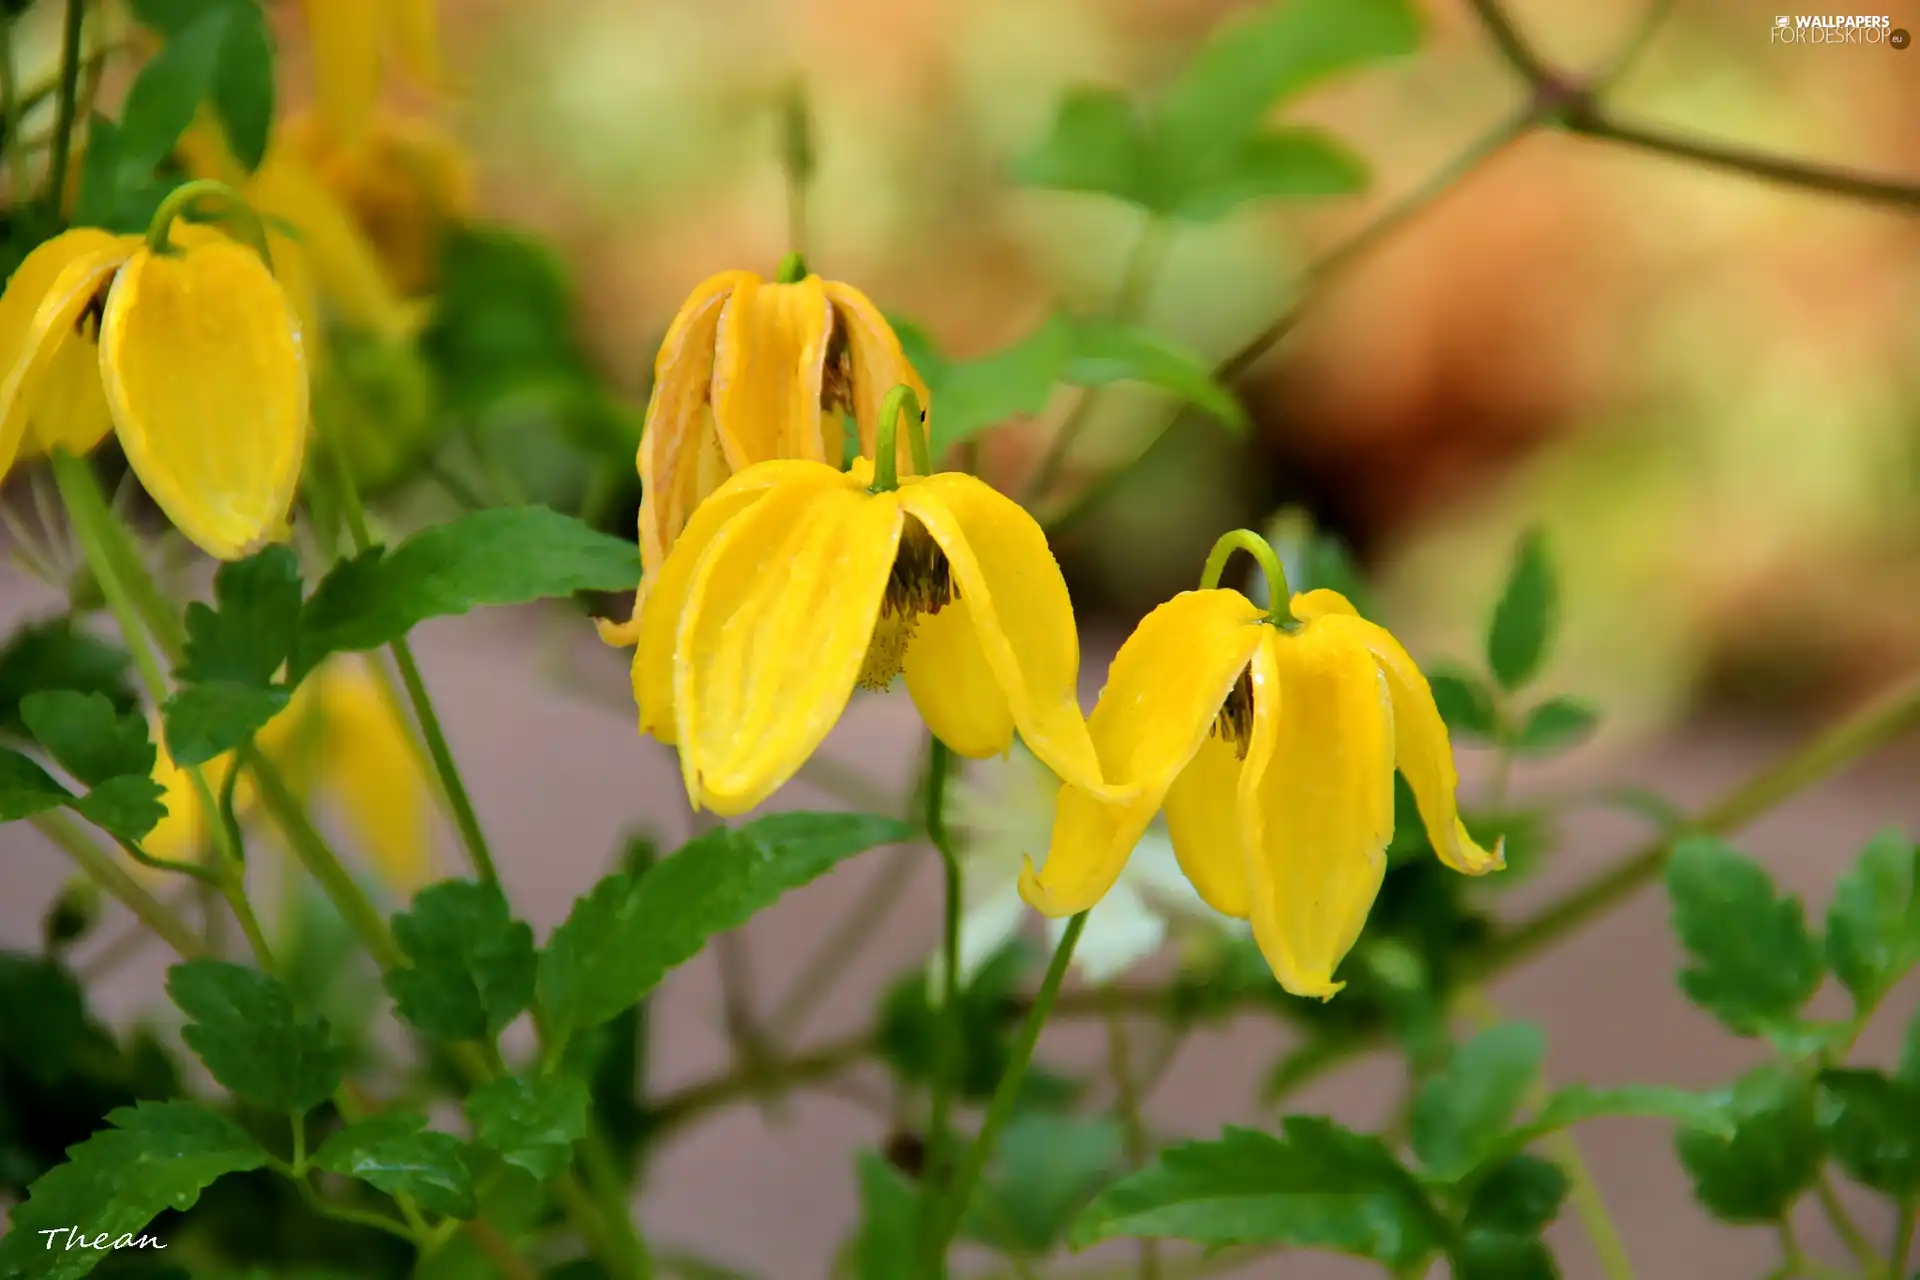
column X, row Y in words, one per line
column 1323, row 990
column 1033, row 892
column 621, row 635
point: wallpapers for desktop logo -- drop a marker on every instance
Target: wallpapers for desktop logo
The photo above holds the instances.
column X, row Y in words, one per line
column 1838, row 28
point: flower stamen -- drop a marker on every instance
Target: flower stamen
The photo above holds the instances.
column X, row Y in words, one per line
column 1234, row 724
column 921, row 583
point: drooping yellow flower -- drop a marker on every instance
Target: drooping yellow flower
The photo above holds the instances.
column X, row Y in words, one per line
column 796, row 581
column 339, row 739
column 195, row 355
column 352, row 41
column 751, row 372
column 1272, row 748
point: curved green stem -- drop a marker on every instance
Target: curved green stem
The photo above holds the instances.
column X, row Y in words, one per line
column 183, row 197
column 1845, row 1227
column 1279, row 596
column 792, row 269
column 112, row 877
column 205, row 875
column 886, row 439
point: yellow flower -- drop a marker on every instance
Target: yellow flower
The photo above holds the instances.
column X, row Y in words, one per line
column 795, row 581
column 751, row 372
column 1272, row 748
column 351, row 40
column 198, row 366
column 340, row 738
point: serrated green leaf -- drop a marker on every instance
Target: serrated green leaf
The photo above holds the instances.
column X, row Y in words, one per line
column 1317, row 1186
column 401, row 1156
column 473, row 964
column 26, row 788
column 169, row 89
column 1873, row 924
column 1555, row 725
column 622, row 938
column 1753, row 963
column 1047, row 1167
column 244, row 1026
column 1875, row 1129
column 1096, row 145
column 1105, row 351
column 83, row 731
column 1773, row 1155
column 1464, row 700
column 1460, row 1112
column 531, row 1123
column 1520, row 633
column 506, row 555
column 1578, row 1103
column 53, row 654
column 971, row 395
column 1298, row 163
column 128, row 806
column 204, row 721
column 159, row 1156
column 887, row 1245
column 253, row 624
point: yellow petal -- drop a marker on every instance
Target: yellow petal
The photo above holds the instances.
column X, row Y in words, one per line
column 182, row 835
column 657, row 620
column 72, row 413
column 1164, row 692
column 878, row 365
column 369, row 762
column 1203, row 821
column 416, row 38
column 345, row 38
column 44, row 301
column 1021, row 613
column 203, row 368
column 1321, row 603
column 1422, row 750
column 1316, row 802
column 778, row 619
column 677, row 414
column 769, row 359
column 334, row 267
column 954, row 687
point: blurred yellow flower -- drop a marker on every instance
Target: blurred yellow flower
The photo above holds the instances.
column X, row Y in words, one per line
column 191, row 352
column 1272, row 748
column 351, row 42
column 340, row 739
column 796, row 581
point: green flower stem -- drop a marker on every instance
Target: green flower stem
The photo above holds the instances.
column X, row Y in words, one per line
column 17, row 171
column 123, row 888
column 1845, row 1227
column 1279, row 595
column 792, row 270
column 237, row 211
column 998, row 1111
column 886, row 449
column 65, row 107
column 452, row 786
column 952, row 1033
column 1904, row 1225
column 1126, row 1105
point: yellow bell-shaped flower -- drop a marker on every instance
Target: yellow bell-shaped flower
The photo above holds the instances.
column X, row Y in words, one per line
column 1272, row 747
column 796, row 581
column 193, row 354
column 352, row 41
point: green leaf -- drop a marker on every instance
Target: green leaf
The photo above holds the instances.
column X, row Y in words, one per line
column 1908, row 1071
column 253, row 624
column 167, row 92
column 52, row 654
column 1494, row 1255
column 159, row 1156
column 1047, row 1168
column 531, row 1123
column 473, row 964
column 1873, row 924
column 401, row 1156
column 1875, row 1129
column 91, row 740
column 971, row 395
column 1317, row 1186
column 911, row 1024
column 622, row 938
column 1095, row 145
column 1248, row 66
column 506, row 555
column 127, row 806
column 208, row 720
column 26, row 788
column 1458, row 1113
column 1772, row 1156
column 886, row 1247
column 1520, row 633
column 1555, row 725
column 1105, row 351
column 43, row 1018
column 1297, row 163
column 1521, row 1195
column 1753, row 962
column 243, row 84
column 1578, row 1103
column 1465, row 702
column 245, row 1028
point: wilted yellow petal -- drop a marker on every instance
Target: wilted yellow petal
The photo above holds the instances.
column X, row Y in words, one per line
column 346, row 36
column 1317, row 802
column 1164, row 692
column 878, row 365
column 42, row 307
column 1203, row 822
column 778, row 619
column 370, row 763
column 203, row 368
column 769, row 358
column 953, row 685
column 1422, row 750
column 1021, row 613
